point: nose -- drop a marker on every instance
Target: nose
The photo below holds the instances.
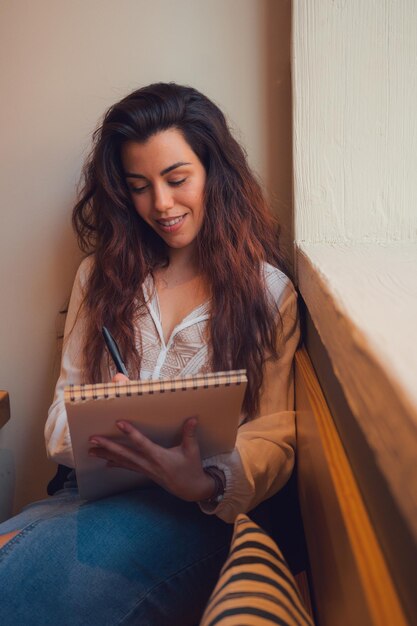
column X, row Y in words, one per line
column 163, row 198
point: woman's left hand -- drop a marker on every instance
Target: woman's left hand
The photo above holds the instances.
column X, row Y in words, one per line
column 178, row 470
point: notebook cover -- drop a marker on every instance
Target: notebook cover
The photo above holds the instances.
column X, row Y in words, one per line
column 158, row 409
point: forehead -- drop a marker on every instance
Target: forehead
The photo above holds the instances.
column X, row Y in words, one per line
column 159, row 151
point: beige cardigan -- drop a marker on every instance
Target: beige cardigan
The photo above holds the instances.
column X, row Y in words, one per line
column 263, row 458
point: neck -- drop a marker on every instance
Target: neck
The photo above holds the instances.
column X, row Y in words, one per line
column 183, row 260
column 182, row 268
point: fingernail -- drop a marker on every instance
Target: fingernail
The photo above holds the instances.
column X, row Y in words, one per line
column 94, row 442
column 122, row 426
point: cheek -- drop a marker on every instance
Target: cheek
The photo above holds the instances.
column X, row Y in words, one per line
column 196, row 199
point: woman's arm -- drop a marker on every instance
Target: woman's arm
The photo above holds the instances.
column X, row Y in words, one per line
column 263, row 458
column 57, row 438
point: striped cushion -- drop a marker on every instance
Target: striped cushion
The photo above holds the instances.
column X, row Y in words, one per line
column 255, row 587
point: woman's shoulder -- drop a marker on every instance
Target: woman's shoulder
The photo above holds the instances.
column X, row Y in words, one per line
column 81, row 278
column 84, row 270
column 278, row 284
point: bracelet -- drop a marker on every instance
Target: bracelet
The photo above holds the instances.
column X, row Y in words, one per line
column 220, row 480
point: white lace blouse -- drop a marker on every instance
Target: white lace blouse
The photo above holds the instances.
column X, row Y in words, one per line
column 263, row 457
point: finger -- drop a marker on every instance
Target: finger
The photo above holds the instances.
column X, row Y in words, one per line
column 110, row 449
column 119, row 378
column 189, row 435
column 124, row 465
column 145, row 455
column 114, row 460
column 141, row 443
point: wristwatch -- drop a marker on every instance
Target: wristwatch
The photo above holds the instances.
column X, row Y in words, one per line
column 220, row 481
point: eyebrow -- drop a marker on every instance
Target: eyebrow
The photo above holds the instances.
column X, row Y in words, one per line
column 165, row 171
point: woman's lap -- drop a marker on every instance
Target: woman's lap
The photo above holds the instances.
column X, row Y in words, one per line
column 144, row 557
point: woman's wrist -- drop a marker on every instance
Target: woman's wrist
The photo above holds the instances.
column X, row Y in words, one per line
column 219, row 480
column 208, row 488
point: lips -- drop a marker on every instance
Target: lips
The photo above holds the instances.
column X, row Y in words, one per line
column 171, row 221
column 172, row 224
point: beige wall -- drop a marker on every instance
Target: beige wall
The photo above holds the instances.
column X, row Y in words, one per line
column 62, row 64
column 355, row 127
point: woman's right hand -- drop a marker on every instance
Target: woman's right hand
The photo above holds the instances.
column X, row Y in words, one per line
column 119, row 378
column 179, row 470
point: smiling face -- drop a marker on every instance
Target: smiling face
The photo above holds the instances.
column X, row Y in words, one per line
column 166, row 181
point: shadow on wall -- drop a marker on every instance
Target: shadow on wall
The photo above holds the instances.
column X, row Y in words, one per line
column 278, row 118
column 27, row 481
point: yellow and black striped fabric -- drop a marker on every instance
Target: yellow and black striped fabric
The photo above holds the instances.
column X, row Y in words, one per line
column 255, row 587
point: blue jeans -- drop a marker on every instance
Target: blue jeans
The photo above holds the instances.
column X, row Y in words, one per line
column 143, row 557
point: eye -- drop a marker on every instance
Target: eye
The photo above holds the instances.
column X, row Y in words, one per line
column 138, row 189
column 176, row 183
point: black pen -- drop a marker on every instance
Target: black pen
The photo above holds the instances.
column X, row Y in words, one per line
column 114, row 351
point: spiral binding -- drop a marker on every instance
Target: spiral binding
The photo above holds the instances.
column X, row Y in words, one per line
column 98, row 391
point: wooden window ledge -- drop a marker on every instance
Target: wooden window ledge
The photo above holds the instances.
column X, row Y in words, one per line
column 362, row 299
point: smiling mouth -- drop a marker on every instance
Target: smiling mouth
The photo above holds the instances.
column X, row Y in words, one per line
column 174, row 223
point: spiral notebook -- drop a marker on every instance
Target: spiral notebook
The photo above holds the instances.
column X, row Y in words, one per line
column 158, row 408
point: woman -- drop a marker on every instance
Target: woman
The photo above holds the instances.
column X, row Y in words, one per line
column 183, row 267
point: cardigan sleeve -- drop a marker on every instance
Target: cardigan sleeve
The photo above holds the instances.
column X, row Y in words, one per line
column 263, row 458
column 57, row 437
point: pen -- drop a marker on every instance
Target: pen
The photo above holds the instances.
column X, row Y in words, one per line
column 114, row 351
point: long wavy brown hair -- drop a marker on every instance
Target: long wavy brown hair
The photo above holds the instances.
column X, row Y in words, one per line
column 238, row 234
